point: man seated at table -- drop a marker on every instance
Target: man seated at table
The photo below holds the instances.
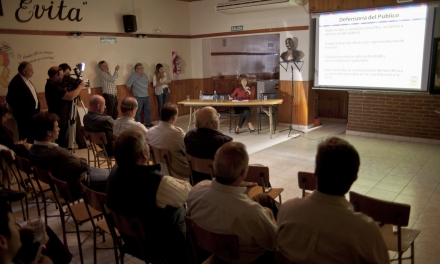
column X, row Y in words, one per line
column 203, row 141
column 322, row 227
column 129, row 107
column 167, row 136
column 221, row 206
column 46, row 154
column 95, row 121
column 136, row 188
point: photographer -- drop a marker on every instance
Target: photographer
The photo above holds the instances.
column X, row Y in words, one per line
column 59, row 96
column 80, row 141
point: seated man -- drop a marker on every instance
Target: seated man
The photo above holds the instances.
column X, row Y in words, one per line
column 46, row 154
column 203, row 141
column 129, row 107
column 221, row 206
column 135, row 188
column 94, row 121
column 167, row 136
column 322, row 227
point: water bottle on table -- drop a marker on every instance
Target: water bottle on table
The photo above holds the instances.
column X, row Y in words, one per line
column 215, row 96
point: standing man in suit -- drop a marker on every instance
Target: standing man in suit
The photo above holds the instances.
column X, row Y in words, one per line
column 22, row 97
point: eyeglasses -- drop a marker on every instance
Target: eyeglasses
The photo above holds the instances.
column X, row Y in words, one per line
column 139, row 68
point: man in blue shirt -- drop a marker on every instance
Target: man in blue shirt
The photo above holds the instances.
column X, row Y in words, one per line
column 138, row 82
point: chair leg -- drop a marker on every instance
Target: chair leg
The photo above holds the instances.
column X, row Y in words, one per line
column 412, row 253
column 79, row 243
column 94, row 244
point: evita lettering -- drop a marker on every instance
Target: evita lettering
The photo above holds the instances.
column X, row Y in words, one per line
column 23, row 15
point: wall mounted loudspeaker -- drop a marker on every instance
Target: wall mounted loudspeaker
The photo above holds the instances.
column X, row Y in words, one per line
column 130, row 23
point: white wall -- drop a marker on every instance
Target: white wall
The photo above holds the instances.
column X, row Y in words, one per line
column 205, row 20
column 98, row 16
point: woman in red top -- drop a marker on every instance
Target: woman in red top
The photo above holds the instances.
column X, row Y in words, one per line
column 244, row 92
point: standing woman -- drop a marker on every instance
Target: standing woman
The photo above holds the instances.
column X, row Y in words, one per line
column 160, row 83
column 244, row 92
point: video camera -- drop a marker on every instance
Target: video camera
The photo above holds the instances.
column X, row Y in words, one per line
column 72, row 83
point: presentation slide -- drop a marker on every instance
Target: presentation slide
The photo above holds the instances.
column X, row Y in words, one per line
column 372, row 48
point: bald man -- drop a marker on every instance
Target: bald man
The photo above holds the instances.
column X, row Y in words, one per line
column 95, row 121
column 203, row 141
column 59, row 101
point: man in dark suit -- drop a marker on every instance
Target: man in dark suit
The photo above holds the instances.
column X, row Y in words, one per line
column 22, row 97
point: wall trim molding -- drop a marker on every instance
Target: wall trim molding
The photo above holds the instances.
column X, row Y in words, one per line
column 134, row 35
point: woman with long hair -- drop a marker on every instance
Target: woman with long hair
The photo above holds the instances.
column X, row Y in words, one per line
column 160, row 83
column 244, row 92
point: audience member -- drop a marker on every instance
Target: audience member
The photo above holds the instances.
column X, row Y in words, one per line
column 132, row 182
column 138, row 82
column 167, row 136
column 10, row 242
column 59, row 101
column 109, row 90
column 21, row 148
column 322, row 227
column 22, row 97
column 94, row 121
column 46, row 154
column 129, row 106
column 203, row 141
column 221, row 206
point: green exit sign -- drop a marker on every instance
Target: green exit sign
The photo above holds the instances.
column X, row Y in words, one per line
column 237, row 28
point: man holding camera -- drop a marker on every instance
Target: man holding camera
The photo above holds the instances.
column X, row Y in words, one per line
column 59, row 98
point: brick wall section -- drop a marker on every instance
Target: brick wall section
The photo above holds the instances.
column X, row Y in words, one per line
column 400, row 114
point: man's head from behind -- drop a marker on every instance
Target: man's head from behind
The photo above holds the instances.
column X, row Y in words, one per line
column 169, row 113
column 231, row 162
column 129, row 106
column 97, row 104
column 9, row 235
column 337, row 165
column 207, row 117
column 131, row 148
column 45, row 126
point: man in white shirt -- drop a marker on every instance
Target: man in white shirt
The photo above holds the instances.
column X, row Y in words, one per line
column 135, row 188
column 167, row 136
column 22, row 97
column 221, row 206
column 129, row 107
column 322, row 227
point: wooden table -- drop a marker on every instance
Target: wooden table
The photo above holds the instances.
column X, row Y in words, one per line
column 196, row 104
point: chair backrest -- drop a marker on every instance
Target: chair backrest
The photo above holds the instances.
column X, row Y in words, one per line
column 223, row 246
column 42, row 174
column 306, row 181
column 381, row 211
column 200, row 165
column 10, row 160
column 258, row 174
column 94, row 199
column 61, row 188
column 97, row 137
column 161, row 156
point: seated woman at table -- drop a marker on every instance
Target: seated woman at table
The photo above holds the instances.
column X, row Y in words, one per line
column 21, row 148
column 244, row 92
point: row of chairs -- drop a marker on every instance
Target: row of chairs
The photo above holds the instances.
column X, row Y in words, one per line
column 387, row 214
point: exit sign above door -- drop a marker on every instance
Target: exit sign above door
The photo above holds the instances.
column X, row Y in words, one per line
column 237, row 28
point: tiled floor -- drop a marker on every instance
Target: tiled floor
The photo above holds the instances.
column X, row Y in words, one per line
column 400, row 171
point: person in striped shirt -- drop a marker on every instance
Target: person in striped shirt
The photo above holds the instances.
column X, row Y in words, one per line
column 109, row 89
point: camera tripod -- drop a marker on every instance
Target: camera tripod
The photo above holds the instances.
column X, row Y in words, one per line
column 72, row 121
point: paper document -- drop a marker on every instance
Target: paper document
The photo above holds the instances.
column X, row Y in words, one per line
column 238, row 101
